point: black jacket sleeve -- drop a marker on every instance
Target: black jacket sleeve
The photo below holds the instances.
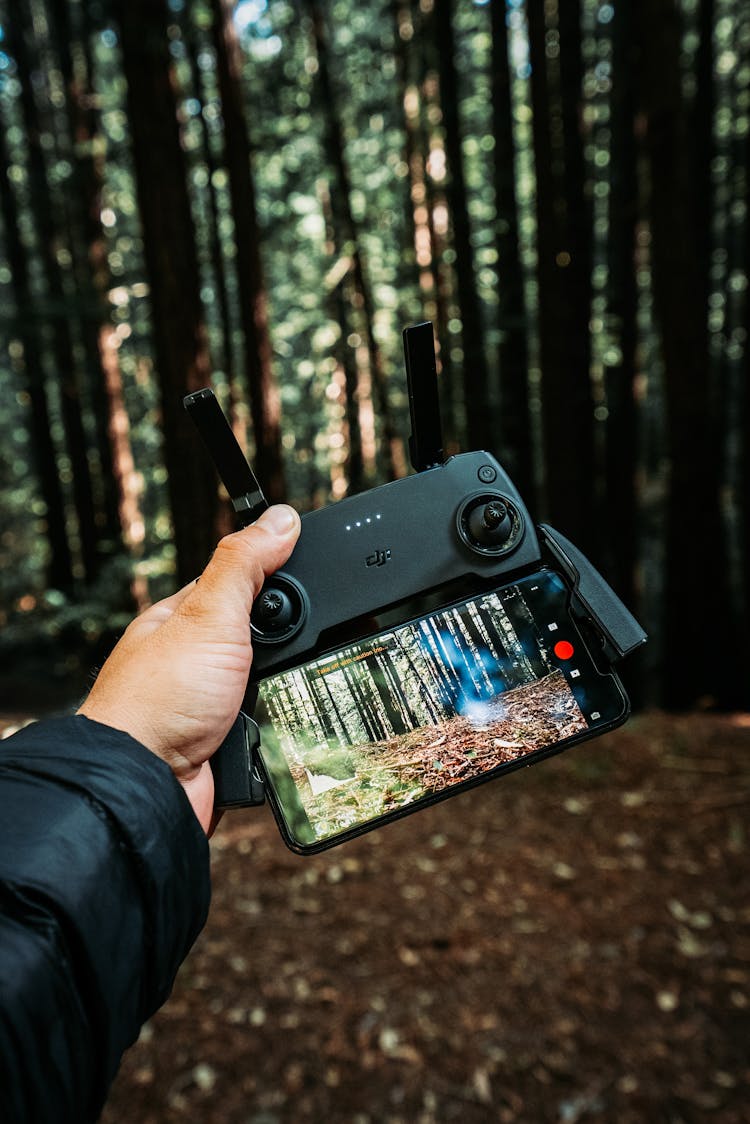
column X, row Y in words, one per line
column 104, row 886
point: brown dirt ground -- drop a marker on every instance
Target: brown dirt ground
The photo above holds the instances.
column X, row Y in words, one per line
column 571, row 943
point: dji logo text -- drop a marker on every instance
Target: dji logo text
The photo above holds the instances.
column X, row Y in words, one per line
column 379, row 558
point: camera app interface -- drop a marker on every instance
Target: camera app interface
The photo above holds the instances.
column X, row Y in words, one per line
column 428, row 705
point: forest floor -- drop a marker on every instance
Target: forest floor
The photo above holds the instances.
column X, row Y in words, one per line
column 390, row 774
column 571, row 943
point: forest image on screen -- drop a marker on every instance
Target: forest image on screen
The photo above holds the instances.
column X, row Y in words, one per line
column 415, row 710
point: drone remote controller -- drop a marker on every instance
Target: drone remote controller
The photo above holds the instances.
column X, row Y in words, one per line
column 455, row 522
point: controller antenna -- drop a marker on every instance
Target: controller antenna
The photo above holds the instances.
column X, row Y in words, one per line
column 235, row 473
column 426, row 441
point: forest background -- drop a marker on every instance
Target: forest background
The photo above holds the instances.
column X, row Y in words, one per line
column 260, row 195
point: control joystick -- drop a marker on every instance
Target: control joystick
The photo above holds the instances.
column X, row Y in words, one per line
column 490, row 523
column 274, row 610
column 279, row 611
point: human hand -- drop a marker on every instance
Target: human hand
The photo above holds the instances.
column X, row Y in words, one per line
column 176, row 679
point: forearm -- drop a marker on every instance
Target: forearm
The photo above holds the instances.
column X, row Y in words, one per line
column 104, row 882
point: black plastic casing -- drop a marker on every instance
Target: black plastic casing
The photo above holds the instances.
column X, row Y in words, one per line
column 409, row 526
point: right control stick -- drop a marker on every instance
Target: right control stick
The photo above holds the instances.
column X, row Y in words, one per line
column 490, row 524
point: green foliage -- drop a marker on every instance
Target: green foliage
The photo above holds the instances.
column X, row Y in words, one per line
column 381, row 54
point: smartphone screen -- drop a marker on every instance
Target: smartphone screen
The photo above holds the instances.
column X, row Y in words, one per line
column 413, row 713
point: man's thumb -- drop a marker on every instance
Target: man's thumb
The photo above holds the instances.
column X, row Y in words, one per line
column 242, row 561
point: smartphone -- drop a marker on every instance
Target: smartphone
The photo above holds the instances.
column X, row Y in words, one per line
column 413, row 714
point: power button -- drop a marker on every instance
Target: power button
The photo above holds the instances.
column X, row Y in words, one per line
column 487, row 474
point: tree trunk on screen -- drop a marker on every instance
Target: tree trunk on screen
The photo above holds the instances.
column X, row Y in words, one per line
column 265, row 404
column 179, row 332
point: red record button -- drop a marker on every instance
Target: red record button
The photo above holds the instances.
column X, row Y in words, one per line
column 563, row 649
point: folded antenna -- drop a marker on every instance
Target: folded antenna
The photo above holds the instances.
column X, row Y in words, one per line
column 426, row 441
column 235, row 473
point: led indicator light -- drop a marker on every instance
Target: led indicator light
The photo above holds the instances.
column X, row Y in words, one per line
column 563, row 649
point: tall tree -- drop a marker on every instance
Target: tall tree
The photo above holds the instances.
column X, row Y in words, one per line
column 429, row 201
column 198, row 78
column 265, row 405
column 515, row 429
column 88, row 248
column 693, row 511
column 179, row 332
column 745, row 464
column 743, row 238
column 421, row 260
column 563, row 272
column 60, row 562
column 622, row 310
column 481, row 412
column 72, row 404
column 340, row 298
column 409, row 268
column 344, row 221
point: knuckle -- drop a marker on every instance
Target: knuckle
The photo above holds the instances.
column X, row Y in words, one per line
column 242, row 547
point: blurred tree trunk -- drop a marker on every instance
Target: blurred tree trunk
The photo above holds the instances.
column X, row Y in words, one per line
column 730, row 687
column 19, row 34
column 179, row 332
column 732, row 341
column 60, row 563
column 702, row 152
column 339, row 299
column 214, row 236
column 481, row 410
column 424, row 250
column 743, row 428
column 355, row 467
column 744, row 443
column 515, row 446
column 89, row 252
column 432, row 199
column 410, row 273
column 622, row 309
column 265, row 404
column 694, row 534
column 564, row 276
column 348, row 232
